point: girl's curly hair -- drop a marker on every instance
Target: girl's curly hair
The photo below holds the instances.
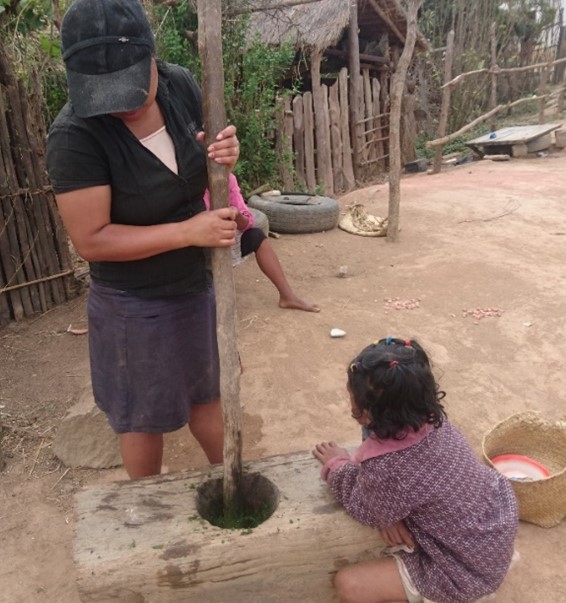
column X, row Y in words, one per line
column 392, row 379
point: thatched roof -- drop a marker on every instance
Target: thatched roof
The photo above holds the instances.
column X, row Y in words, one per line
column 318, row 25
column 321, row 25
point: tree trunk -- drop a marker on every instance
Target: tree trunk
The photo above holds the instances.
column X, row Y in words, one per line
column 355, row 86
column 445, row 106
column 397, row 89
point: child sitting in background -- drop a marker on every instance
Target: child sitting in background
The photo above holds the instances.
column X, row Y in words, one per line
column 417, row 480
column 254, row 240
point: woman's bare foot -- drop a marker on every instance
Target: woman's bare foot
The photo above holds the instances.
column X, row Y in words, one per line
column 295, row 303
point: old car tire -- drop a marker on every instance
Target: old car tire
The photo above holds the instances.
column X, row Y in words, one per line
column 297, row 213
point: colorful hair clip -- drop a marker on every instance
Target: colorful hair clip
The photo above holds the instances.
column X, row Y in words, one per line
column 393, row 363
column 388, row 340
column 354, row 367
column 408, row 343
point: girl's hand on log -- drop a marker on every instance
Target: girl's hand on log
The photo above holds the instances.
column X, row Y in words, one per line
column 397, row 535
column 328, row 450
column 226, row 149
column 215, row 228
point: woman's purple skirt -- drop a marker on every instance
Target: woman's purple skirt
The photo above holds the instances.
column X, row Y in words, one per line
column 151, row 359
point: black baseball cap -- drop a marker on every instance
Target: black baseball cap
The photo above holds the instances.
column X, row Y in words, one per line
column 107, row 47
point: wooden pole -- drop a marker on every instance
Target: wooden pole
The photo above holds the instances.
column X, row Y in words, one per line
column 349, row 180
column 322, row 129
column 445, row 106
column 210, row 50
column 560, row 50
column 493, row 97
column 355, row 85
column 385, row 18
column 397, row 89
column 560, row 99
column 501, row 70
column 544, row 75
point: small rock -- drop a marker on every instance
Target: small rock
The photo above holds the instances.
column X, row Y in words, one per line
column 337, row 332
column 84, row 438
column 342, row 272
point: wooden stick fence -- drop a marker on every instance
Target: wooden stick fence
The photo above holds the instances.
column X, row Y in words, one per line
column 494, row 70
column 35, row 264
column 320, row 136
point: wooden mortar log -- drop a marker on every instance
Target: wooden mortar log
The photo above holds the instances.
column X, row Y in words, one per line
column 144, row 542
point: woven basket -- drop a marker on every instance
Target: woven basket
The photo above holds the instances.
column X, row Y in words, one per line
column 543, row 501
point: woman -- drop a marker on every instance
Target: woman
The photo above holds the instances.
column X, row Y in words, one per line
column 129, row 172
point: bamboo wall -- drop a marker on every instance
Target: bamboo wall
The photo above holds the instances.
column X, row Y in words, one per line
column 35, row 266
column 318, row 137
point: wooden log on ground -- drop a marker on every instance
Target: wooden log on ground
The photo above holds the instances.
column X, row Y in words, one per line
column 144, row 541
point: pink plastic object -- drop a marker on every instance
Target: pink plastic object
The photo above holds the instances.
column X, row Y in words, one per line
column 520, row 467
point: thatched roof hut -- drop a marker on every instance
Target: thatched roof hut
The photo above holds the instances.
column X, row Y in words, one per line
column 323, row 24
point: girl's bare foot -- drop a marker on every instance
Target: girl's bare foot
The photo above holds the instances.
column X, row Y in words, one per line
column 295, row 303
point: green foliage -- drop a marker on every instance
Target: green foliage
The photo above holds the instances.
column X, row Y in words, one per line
column 27, row 27
column 253, row 72
column 252, row 97
column 54, row 91
column 528, row 18
column 171, row 27
column 26, row 16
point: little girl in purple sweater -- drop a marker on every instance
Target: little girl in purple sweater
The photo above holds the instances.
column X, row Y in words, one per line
column 417, row 480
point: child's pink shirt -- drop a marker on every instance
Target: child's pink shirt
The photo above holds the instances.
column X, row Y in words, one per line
column 236, row 200
column 372, row 447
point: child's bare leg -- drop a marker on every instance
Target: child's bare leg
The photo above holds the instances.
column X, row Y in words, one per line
column 269, row 264
column 370, row 582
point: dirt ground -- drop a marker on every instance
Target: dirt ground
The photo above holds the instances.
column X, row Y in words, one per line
column 476, row 237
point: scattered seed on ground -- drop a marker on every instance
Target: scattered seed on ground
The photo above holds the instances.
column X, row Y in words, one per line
column 396, row 303
column 479, row 313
